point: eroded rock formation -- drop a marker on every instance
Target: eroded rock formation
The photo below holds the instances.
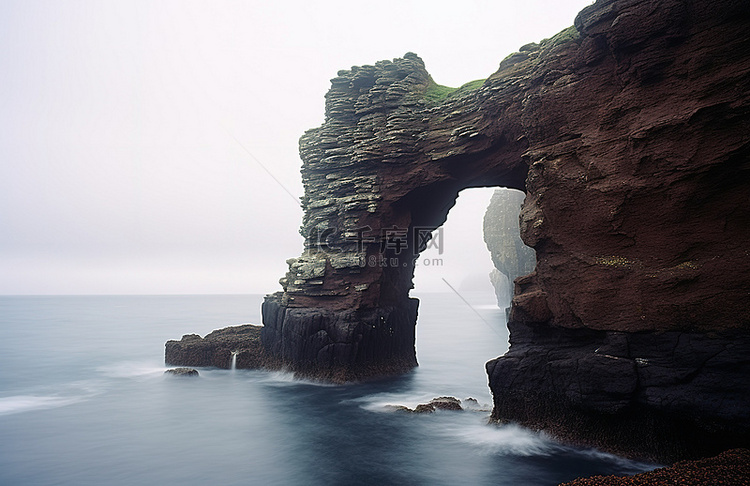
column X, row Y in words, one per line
column 630, row 134
column 380, row 175
column 502, row 236
column 182, row 372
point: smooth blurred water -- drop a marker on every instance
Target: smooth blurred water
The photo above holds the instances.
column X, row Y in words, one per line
column 83, row 401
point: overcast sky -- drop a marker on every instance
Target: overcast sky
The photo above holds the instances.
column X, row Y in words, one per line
column 133, row 134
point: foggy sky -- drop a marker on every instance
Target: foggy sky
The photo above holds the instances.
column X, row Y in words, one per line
column 133, row 134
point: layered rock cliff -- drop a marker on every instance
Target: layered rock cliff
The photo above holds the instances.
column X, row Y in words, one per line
column 630, row 134
column 502, row 236
column 380, row 175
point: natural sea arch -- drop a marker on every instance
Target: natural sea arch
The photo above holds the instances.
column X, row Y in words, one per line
column 340, row 333
column 380, row 175
column 635, row 116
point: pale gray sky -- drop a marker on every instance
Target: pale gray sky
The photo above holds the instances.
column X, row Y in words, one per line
column 119, row 168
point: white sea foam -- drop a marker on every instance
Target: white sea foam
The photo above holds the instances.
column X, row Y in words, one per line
column 129, row 369
column 505, row 440
column 627, row 465
column 383, row 402
column 287, row 378
column 27, row 403
column 44, row 399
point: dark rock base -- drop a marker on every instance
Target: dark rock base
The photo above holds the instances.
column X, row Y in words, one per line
column 657, row 396
column 340, row 346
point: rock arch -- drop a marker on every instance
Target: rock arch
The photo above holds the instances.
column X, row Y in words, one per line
column 629, row 134
column 379, row 175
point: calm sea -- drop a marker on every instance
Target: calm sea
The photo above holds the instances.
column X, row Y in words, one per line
column 83, row 401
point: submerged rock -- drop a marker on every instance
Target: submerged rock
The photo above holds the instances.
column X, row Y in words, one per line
column 398, row 408
column 424, row 408
column 181, row 372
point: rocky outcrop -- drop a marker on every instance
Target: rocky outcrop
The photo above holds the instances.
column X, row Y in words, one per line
column 502, row 235
column 219, row 348
column 630, row 134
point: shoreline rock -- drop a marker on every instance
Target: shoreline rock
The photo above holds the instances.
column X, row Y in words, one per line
column 728, row 468
column 659, row 397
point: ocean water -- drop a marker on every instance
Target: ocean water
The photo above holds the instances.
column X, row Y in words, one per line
column 84, row 401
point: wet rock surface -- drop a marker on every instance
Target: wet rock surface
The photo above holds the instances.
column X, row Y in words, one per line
column 217, row 347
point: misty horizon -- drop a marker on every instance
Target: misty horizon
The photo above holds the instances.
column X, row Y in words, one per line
column 151, row 148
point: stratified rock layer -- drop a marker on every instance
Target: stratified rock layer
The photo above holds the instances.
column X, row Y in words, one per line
column 630, row 134
column 502, row 236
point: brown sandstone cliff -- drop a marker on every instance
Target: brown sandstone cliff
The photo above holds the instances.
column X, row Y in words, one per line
column 633, row 331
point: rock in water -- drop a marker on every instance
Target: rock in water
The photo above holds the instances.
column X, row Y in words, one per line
column 446, row 403
column 440, row 403
column 424, row 408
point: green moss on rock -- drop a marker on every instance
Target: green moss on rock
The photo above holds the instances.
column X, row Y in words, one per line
column 437, row 93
